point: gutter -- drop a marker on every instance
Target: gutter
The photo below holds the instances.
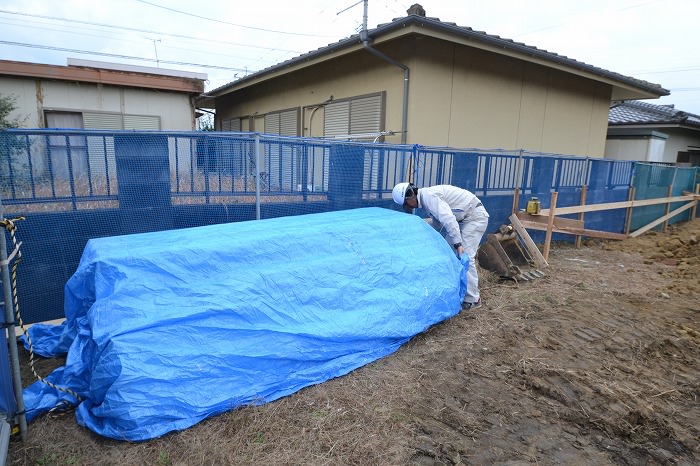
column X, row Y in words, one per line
column 406, row 72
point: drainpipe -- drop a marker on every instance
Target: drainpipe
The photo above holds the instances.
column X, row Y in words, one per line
column 368, row 47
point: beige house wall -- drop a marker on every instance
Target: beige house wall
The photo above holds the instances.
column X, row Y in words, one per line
column 463, row 97
column 309, row 88
column 458, row 96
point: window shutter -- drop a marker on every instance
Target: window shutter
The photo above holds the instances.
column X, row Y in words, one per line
column 272, row 123
column 288, row 123
column 337, row 119
column 143, row 122
column 357, row 115
column 117, row 121
column 102, row 120
column 284, row 123
column 366, row 114
column 234, row 124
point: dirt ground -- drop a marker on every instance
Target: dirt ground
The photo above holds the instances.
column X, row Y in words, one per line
column 594, row 363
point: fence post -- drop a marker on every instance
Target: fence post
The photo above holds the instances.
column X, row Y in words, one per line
column 518, row 182
column 8, row 319
column 257, row 176
column 628, row 216
column 581, row 215
column 413, row 165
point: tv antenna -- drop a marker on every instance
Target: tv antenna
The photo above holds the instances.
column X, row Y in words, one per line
column 156, row 49
column 364, row 17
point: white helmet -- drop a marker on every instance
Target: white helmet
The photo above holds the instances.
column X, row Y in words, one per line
column 399, row 192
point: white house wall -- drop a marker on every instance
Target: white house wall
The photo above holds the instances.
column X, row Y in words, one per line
column 660, row 145
column 637, row 149
column 680, row 140
column 33, row 97
column 24, row 93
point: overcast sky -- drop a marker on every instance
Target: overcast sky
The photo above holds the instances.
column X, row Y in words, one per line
column 653, row 40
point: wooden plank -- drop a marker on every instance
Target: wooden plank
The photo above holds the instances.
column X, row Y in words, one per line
column 576, row 231
column 651, row 225
column 550, row 225
column 617, row 205
column 559, row 222
column 530, row 245
column 695, row 195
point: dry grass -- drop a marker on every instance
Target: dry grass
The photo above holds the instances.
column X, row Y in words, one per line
column 185, row 190
column 595, row 363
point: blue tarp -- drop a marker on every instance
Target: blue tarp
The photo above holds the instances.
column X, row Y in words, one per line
column 165, row 329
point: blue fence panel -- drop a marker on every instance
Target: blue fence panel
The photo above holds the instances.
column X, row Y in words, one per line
column 8, row 404
column 77, row 185
column 650, row 181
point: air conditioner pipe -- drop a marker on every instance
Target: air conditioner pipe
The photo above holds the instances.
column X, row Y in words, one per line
column 369, row 48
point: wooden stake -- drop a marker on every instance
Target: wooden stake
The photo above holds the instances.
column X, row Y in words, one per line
column 516, row 200
column 550, row 225
column 628, row 217
column 694, row 210
column 668, row 209
column 584, row 191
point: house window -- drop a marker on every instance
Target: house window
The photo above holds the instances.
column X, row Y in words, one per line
column 66, row 153
column 90, row 120
column 73, row 153
column 284, row 122
column 355, row 118
column 232, row 124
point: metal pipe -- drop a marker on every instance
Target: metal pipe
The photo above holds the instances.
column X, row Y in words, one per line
column 406, row 73
column 11, row 336
column 257, row 176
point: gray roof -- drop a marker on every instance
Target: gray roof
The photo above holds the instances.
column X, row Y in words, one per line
column 634, row 112
column 459, row 31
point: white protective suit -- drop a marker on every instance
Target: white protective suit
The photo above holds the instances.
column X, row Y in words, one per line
column 464, row 220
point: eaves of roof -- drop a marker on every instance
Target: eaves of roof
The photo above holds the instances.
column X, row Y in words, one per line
column 642, row 114
column 101, row 76
column 424, row 25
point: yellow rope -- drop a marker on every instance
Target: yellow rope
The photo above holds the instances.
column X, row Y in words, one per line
column 9, row 225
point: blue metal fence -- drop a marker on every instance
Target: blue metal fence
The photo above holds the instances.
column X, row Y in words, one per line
column 50, row 170
column 73, row 185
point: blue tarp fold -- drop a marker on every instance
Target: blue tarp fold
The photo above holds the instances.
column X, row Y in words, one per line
column 165, row 329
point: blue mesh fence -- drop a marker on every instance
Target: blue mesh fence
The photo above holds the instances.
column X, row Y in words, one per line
column 75, row 185
column 661, row 180
column 8, row 405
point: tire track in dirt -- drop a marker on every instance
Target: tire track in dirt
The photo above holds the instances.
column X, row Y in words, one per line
column 602, row 370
